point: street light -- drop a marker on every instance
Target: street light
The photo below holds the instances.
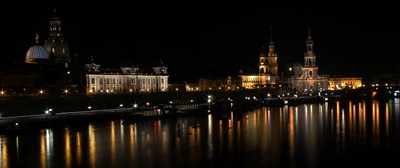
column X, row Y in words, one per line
column 66, row 92
column 41, row 92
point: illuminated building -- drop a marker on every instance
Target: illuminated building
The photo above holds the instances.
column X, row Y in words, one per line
column 49, row 69
column 267, row 70
column 125, row 80
column 306, row 78
column 339, row 83
column 220, row 84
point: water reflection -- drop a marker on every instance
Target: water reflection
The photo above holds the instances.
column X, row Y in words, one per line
column 308, row 135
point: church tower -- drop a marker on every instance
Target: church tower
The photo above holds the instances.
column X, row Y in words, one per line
column 310, row 69
column 56, row 45
column 272, row 58
column 306, row 78
column 268, row 66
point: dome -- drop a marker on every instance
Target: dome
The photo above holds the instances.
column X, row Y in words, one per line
column 37, row 54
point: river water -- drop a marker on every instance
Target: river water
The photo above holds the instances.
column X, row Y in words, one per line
column 332, row 134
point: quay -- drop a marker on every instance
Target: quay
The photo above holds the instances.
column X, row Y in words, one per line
column 18, row 113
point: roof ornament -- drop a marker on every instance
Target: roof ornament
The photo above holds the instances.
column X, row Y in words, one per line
column 37, row 38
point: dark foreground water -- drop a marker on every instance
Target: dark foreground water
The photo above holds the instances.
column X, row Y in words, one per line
column 335, row 134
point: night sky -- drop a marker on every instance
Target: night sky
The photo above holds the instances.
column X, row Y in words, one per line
column 199, row 39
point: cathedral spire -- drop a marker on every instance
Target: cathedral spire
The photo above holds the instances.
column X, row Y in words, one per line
column 270, row 36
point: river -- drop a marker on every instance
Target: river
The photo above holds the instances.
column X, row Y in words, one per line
column 331, row 134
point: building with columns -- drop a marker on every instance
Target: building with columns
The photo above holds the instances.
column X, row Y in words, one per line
column 306, row 78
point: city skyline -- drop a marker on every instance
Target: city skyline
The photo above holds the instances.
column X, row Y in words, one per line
column 193, row 39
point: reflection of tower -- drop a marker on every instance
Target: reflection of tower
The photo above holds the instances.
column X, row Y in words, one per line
column 56, row 45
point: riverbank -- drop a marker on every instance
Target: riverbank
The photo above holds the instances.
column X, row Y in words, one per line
column 18, row 113
column 15, row 106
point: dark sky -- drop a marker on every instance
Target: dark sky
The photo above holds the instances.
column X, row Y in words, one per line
column 194, row 39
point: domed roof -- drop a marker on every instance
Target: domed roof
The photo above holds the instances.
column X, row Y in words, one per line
column 36, row 54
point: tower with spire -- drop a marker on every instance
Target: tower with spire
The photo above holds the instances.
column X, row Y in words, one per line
column 267, row 69
column 272, row 58
column 306, row 78
column 268, row 65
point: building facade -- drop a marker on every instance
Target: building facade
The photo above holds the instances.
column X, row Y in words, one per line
column 48, row 70
column 220, row 84
column 306, row 78
column 339, row 83
column 125, row 80
column 267, row 75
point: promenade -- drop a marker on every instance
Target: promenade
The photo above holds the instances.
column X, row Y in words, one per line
column 20, row 112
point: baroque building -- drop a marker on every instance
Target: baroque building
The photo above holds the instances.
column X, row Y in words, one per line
column 125, row 80
column 306, row 78
column 56, row 44
column 48, row 70
column 267, row 74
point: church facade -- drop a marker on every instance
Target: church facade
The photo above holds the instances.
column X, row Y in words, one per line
column 306, row 78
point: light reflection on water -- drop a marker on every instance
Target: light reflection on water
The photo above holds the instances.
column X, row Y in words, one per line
column 310, row 135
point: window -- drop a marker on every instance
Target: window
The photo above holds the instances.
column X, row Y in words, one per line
column 93, row 81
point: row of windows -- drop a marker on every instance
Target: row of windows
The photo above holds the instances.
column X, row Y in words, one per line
column 119, row 80
column 53, row 50
column 120, row 89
